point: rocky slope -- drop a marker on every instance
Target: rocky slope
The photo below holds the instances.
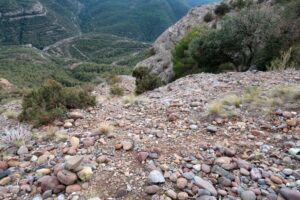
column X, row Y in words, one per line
column 160, row 62
column 165, row 146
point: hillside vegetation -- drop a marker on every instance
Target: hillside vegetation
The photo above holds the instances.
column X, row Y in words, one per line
column 43, row 22
column 30, row 67
column 254, row 36
column 100, row 48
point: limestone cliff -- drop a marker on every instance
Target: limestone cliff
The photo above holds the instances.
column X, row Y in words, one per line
column 160, row 62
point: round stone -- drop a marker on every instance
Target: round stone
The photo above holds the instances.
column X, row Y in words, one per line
column 182, row 196
column 248, row 195
column 181, row 183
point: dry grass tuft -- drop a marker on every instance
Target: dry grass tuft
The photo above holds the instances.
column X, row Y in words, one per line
column 105, row 128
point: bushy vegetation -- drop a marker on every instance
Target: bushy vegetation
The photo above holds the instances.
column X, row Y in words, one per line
column 257, row 36
column 208, row 17
column 116, row 90
column 145, row 80
column 222, row 9
column 183, row 63
column 51, row 101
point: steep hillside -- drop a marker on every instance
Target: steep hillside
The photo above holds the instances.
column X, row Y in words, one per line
column 160, row 62
column 39, row 23
column 100, row 48
column 29, row 67
column 43, row 22
column 141, row 20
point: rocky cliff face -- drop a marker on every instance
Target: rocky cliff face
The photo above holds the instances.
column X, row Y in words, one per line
column 160, row 62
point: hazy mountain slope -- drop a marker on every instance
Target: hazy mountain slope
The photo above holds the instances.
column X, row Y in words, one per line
column 36, row 22
column 43, row 22
column 142, row 20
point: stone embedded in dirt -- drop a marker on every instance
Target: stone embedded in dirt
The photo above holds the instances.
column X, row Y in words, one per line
column 85, row 174
column 4, row 173
column 75, row 115
column 287, row 171
column 3, row 165
column 292, row 122
column 74, row 142
column 73, row 188
column 244, row 172
column 127, row 145
column 23, row 150
column 102, row 159
column 66, row 177
column 5, row 181
column 156, row 176
column 212, row 129
column 171, row 193
column 243, row 164
column 287, row 114
column 290, row 194
column 68, row 125
column 206, row 197
column 205, row 168
column 142, row 156
column 182, row 196
column 276, row 179
column 43, row 171
column 248, row 195
column 152, row 189
column 255, row 174
column 229, row 152
column 222, row 160
column 181, row 183
column 48, row 183
column 205, row 185
column 172, row 117
column 73, row 162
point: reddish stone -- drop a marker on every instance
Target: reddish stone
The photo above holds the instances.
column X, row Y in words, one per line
column 73, row 188
column 3, row 165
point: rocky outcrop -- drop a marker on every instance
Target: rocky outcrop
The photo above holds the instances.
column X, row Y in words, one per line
column 160, row 62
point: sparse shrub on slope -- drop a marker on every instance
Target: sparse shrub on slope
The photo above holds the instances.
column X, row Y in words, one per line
column 116, row 90
column 146, row 81
column 208, row 17
column 222, row 9
column 51, row 101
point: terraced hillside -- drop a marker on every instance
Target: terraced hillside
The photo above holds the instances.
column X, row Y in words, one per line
column 100, row 48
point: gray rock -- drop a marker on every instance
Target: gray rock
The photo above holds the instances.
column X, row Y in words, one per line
column 287, row 171
column 22, row 150
column 156, row 176
column 188, row 175
column 205, row 185
column 152, row 189
column 37, row 197
column 73, row 162
column 289, row 194
column 212, row 129
column 248, row 195
column 255, row 174
column 222, row 172
column 206, row 197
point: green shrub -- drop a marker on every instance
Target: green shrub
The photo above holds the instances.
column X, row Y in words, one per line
column 208, row 17
column 116, row 90
column 183, row 63
column 222, row 9
column 146, row 81
column 51, row 101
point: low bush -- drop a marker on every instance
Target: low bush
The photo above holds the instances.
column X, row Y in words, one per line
column 116, row 90
column 208, row 17
column 146, row 81
column 51, row 101
column 222, row 9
